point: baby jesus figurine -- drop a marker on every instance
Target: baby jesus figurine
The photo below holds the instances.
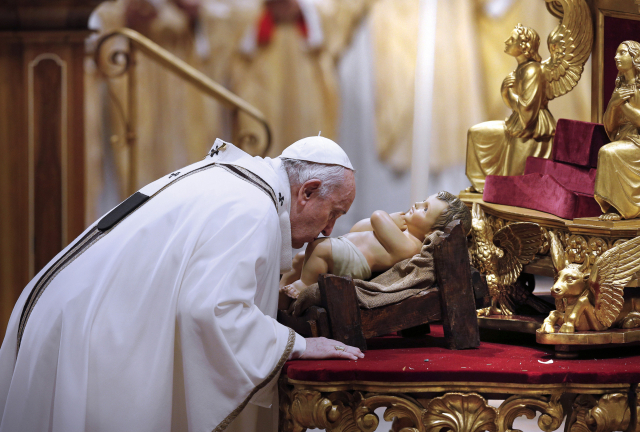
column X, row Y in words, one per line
column 373, row 245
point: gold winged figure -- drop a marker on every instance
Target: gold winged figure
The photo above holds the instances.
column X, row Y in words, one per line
column 594, row 300
column 502, row 147
column 500, row 257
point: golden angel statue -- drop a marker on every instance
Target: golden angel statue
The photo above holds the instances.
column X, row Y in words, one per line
column 594, row 301
column 502, row 147
column 618, row 176
column 500, row 256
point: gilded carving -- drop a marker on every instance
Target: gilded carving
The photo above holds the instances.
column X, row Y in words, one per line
column 408, row 412
column 500, row 255
column 610, row 414
column 516, row 406
column 302, row 409
column 593, row 299
column 460, row 413
column 544, row 247
column 580, row 410
column 577, row 249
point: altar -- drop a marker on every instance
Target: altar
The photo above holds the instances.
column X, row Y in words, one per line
column 426, row 387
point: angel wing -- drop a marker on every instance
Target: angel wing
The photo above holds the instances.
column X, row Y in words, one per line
column 520, row 241
column 482, row 235
column 570, row 45
column 610, row 274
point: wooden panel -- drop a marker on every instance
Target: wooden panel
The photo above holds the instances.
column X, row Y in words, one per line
column 47, row 136
column 453, row 270
column 420, row 309
column 42, row 147
column 14, row 191
column 339, row 299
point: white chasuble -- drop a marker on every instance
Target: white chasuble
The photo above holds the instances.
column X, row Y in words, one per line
column 166, row 321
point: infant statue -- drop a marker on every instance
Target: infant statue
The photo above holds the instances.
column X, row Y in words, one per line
column 374, row 244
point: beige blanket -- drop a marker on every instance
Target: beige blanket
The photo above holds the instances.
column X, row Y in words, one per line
column 401, row 281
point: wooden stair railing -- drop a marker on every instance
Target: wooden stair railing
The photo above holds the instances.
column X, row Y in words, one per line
column 123, row 61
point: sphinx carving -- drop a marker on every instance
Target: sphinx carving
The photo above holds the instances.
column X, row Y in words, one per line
column 594, row 300
column 618, row 176
column 502, row 147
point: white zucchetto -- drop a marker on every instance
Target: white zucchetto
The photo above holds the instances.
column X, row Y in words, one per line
column 319, row 150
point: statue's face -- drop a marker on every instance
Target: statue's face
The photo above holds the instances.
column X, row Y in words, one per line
column 319, row 214
column 423, row 215
column 624, row 62
column 512, row 44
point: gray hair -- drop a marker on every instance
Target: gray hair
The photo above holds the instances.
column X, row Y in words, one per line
column 300, row 172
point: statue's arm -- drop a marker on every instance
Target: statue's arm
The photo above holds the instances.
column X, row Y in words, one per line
column 530, row 88
column 390, row 236
column 615, row 111
column 631, row 113
column 365, row 224
column 508, row 96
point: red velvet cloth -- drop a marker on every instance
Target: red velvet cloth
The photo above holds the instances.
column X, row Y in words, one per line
column 616, row 30
column 572, row 177
column 540, row 192
column 578, row 142
column 394, row 359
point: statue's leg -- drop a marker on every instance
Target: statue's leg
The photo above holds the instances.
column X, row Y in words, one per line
column 485, row 151
column 517, row 152
column 555, row 317
column 618, row 180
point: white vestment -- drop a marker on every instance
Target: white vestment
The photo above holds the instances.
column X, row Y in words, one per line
column 167, row 321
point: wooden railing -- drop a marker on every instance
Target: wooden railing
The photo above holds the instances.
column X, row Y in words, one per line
column 119, row 62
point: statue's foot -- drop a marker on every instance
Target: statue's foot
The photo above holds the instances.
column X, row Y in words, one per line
column 632, row 320
column 290, row 291
column 547, row 328
column 483, row 312
column 610, row 217
column 473, row 189
column 504, row 310
column 491, row 310
column 567, row 328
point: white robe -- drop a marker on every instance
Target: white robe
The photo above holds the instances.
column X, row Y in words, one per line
column 166, row 322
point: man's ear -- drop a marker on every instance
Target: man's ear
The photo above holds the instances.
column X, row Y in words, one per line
column 308, row 190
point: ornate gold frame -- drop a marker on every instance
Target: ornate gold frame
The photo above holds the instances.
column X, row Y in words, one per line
column 458, row 406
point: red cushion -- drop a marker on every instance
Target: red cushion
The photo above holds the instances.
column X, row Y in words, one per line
column 578, row 142
column 574, row 178
column 394, row 359
column 539, row 192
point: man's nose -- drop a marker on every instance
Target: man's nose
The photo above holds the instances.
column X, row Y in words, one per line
column 329, row 228
column 420, row 204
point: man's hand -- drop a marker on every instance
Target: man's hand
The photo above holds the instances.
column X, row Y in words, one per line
column 323, row 348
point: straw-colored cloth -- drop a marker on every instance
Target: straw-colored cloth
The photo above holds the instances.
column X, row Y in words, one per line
column 403, row 280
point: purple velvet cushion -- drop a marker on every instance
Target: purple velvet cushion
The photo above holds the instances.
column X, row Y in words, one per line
column 578, row 142
column 574, row 178
column 539, row 192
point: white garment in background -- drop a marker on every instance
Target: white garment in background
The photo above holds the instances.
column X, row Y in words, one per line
column 166, row 322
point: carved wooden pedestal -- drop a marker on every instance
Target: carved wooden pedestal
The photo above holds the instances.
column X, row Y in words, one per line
column 459, row 407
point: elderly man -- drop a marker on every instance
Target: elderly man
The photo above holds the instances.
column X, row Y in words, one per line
column 160, row 316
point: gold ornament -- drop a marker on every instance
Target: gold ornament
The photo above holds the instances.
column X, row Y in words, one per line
column 500, row 257
column 592, row 299
column 502, row 147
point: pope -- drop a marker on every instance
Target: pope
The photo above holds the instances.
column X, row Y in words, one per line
column 160, row 316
